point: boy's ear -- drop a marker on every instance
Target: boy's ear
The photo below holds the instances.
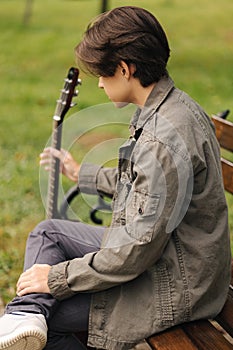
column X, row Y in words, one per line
column 127, row 70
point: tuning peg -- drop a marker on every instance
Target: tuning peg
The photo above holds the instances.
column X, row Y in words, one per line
column 79, row 82
column 73, row 104
column 57, row 118
column 76, row 92
column 67, row 80
column 64, row 91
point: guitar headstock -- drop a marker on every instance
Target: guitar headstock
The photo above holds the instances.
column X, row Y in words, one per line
column 64, row 103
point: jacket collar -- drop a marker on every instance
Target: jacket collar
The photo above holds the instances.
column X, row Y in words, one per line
column 153, row 102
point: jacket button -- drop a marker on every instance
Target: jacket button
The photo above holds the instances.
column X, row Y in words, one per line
column 140, row 211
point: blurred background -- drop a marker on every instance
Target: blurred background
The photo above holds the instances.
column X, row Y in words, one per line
column 37, row 40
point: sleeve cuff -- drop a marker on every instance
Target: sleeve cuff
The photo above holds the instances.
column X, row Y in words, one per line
column 57, row 281
column 87, row 180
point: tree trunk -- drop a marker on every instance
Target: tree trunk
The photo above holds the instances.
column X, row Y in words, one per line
column 27, row 12
column 104, row 6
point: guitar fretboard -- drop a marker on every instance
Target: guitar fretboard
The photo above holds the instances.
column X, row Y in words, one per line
column 63, row 105
column 53, row 184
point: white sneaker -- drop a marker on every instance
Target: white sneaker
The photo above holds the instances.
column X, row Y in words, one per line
column 23, row 331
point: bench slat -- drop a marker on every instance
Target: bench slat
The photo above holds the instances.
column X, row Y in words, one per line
column 205, row 336
column 227, row 172
column 172, row 339
column 224, row 132
column 225, row 318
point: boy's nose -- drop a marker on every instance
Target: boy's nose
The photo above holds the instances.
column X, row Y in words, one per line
column 100, row 83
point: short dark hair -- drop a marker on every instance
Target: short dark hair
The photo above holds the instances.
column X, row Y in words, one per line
column 130, row 34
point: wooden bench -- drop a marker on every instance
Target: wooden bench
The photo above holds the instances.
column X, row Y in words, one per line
column 215, row 334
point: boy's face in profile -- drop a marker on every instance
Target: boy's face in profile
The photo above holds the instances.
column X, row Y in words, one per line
column 117, row 88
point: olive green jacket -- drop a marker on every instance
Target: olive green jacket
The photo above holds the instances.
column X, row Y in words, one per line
column 166, row 257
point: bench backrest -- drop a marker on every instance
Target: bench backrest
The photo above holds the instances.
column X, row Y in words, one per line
column 224, row 133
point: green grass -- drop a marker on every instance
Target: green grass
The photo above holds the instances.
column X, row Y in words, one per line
column 33, row 62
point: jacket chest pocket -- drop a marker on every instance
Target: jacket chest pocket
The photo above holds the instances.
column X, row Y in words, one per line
column 141, row 215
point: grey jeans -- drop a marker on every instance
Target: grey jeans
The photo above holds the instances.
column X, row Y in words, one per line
column 52, row 242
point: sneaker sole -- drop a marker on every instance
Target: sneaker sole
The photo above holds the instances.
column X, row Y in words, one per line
column 26, row 340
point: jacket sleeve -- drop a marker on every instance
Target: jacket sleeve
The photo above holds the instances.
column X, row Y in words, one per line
column 153, row 206
column 94, row 179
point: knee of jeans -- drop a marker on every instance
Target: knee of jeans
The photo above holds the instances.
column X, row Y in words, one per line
column 43, row 226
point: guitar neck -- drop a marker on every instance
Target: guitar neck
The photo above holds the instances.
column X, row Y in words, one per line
column 63, row 105
column 53, row 184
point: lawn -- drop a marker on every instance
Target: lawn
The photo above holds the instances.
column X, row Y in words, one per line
column 34, row 59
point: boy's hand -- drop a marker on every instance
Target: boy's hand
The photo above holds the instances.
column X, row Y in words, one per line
column 34, row 280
